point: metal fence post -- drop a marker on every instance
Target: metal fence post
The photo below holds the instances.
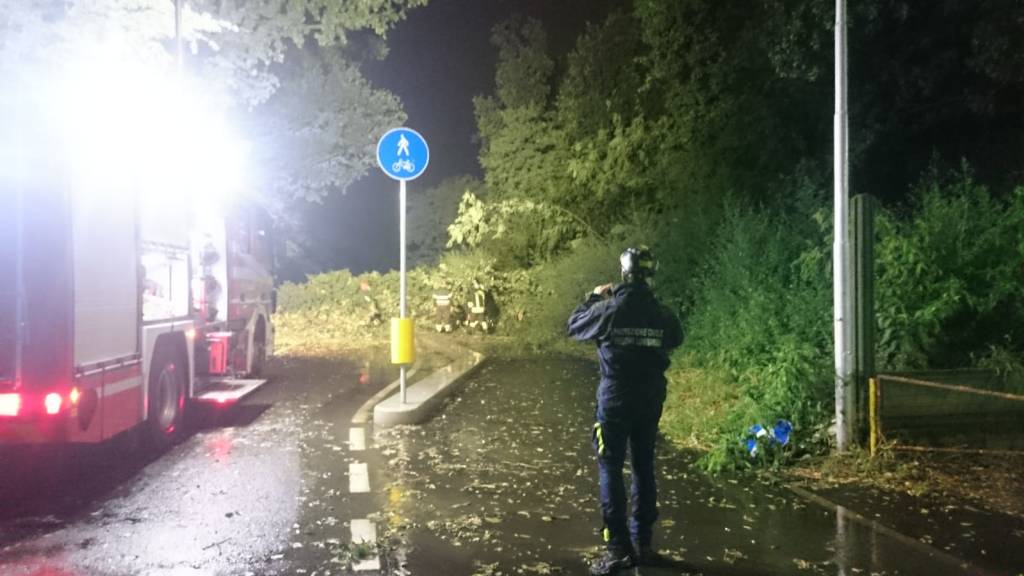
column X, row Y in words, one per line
column 873, row 415
column 863, row 283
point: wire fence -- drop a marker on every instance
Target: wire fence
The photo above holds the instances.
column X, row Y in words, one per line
column 970, row 411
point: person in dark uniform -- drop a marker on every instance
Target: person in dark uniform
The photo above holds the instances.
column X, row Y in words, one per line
column 634, row 334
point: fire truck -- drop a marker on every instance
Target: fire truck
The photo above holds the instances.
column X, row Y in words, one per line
column 116, row 312
column 128, row 292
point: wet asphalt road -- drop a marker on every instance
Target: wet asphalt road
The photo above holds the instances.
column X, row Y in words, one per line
column 501, row 483
column 505, row 483
column 259, row 489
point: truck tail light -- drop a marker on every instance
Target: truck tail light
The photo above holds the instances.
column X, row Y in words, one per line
column 10, row 404
column 52, row 403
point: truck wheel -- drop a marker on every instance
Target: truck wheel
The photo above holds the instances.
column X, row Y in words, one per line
column 166, row 399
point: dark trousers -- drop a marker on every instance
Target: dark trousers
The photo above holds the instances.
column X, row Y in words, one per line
column 638, row 432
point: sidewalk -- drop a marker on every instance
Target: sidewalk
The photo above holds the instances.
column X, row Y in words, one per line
column 990, row 541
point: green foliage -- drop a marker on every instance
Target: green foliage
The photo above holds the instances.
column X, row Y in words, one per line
column 949, row 275
column 339, row 308
column 1007, row 363
column 430, row 214
column 515, row 232
column 522, row 151
column 601, row 78
column 263, row 33
column 524, row 66
column 318, row 132
column 233, row 45
column 336, row 307
column 565, row 283
column 761, row 318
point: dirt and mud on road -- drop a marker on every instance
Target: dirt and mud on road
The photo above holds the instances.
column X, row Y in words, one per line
column 504, row 483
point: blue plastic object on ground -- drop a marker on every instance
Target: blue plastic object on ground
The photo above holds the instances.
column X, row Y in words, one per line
column 778, row 434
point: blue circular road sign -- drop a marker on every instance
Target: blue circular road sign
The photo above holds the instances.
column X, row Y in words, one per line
column 402, row 153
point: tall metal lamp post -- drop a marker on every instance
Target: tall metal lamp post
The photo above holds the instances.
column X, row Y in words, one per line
column 842, row 300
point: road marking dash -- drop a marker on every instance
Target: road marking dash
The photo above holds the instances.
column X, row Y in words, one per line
column 365, row 532
column 357, row 439
column 358, row 478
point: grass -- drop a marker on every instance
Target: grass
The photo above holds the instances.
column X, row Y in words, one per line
column 697, row 406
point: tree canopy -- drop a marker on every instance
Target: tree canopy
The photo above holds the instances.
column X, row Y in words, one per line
column 669, row 104
column 288, row 71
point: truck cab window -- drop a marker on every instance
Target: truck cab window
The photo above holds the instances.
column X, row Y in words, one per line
column 165, row 284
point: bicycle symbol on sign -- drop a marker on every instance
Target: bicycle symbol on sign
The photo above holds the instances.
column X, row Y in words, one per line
column 403, row 166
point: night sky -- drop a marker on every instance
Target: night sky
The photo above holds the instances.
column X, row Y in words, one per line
column 439, row 59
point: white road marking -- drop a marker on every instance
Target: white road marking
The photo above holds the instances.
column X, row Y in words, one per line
column 358, row 478
column 365, row 532
column 357, row 439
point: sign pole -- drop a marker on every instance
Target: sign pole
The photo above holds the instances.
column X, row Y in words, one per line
column 402, row 305
column 402, row 154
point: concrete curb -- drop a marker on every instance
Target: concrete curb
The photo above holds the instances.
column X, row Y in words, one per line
column 425, row 396
column 362, row 415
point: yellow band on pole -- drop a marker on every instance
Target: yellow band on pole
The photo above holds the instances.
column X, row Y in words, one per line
column 873, row 414
column 403, row 345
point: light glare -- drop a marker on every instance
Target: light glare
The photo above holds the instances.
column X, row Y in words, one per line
column 10, row 404
column 144, row 129
column 52, row 403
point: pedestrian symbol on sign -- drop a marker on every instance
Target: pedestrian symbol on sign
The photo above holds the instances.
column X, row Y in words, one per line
column 403, row 145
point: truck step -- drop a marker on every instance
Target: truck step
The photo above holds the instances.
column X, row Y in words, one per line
column 228, row 390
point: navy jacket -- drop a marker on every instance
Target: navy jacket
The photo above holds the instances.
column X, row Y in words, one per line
column 634, row 335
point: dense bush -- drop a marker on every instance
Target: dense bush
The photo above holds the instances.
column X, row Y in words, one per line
column 762, row 319
column 949, row 293
column 950, row 282
column 514, row 233
column 340, row 308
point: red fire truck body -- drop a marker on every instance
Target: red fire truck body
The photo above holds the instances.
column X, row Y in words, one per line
column 134, row 273
column 118, row 309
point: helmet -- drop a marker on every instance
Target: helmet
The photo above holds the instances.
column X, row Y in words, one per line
column 637, row 263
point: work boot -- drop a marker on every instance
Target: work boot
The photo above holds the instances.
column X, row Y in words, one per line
column 646, row 555
column 611, row 562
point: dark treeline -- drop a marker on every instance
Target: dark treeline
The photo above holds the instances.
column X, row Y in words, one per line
column 669, row 102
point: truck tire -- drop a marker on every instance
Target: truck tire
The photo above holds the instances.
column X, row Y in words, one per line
column 165, row 421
